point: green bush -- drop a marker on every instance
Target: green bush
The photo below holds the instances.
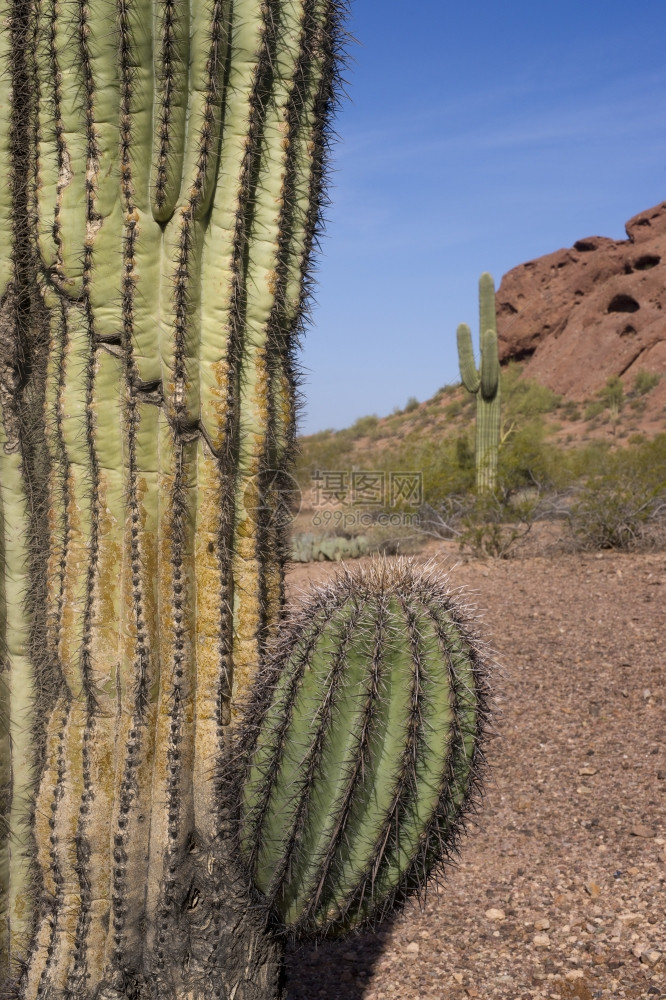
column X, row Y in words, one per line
column 622, row 503
column 645, row 381
column 363, row 426
column 593, row 409
column 411, row 404
column 523, row 397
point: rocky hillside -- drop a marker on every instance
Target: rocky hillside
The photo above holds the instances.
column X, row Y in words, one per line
column 576, row 317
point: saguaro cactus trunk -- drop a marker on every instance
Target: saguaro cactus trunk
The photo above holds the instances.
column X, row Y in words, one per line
column 484, row 384
column 164, row 168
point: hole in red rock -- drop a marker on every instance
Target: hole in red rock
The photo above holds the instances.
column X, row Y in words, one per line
column 647, row 261
column 507, row 309
column 523, row 355
column 623, row 303
column 585, row 246
column 628, row 330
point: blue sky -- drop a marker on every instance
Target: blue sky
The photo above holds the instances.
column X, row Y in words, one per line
column 476, row 136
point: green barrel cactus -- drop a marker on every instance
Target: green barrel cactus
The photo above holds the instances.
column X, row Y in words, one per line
column 360, row 750
column 164, row 171
column 484, row 383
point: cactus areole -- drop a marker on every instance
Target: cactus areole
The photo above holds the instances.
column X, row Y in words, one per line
column 163, row 170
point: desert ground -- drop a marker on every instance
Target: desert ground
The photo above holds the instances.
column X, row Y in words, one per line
column 560, row 888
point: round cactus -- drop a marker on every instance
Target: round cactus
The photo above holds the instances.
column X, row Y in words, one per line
column 361, row 748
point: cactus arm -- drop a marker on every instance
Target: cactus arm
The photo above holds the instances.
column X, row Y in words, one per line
column 487, row 315
column 489, row 365
column 468, row 373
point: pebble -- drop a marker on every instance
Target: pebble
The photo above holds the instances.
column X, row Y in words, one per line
column 588, row 770
column 649, row 957
column 592, row 889
column 495, row 914
column 575, row 974
column 541, row 941
column 642, row 831
column 542, row 924
column 413, row 948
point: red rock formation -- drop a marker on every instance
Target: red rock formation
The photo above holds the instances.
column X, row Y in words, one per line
column 598, row 309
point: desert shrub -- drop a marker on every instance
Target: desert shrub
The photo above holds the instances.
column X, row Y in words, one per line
column 453, row 409
column 526, row 459
column 364, row 425
column 612, row 394
column 622, row 503
column 411, row 404
column 523, row 397
column 645, row 381
column 593, row 409
column 494, row 527
column 570, row 410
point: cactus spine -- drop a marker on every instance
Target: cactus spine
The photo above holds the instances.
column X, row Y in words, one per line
column 361, row 749
column 165, row 169
column 484, row 383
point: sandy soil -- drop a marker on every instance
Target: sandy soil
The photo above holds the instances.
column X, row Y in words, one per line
column 560, row 890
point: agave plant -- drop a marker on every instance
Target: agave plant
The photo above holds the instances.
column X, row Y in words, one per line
column 164, row 174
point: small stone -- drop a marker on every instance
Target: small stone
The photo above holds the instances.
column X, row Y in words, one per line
column 661, row 775
column 647, row 693
column 541, row 941
column 588, row 770
column 494, row 914
column 458, row 976
column 574, row 974
column 592, row 889
column 542, row 924
column 413, row 948
column 640, row 830
column 650, row 957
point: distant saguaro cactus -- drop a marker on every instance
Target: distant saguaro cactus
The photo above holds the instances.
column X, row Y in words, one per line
column 484, row 383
